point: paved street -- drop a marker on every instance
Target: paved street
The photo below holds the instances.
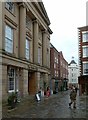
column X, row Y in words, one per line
column 56, row 106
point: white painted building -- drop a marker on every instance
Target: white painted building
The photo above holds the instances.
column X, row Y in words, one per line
column 73, row 73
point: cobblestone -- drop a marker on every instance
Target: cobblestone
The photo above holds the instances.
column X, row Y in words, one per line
column 56, row 106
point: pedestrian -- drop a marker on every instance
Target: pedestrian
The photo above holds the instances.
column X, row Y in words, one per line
column 40, row 92
column 73, row 95
column 76, row 89
column 48, row 91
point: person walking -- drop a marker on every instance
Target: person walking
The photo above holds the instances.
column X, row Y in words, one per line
column 73, row 95
column 76, row 89
column 48, row 91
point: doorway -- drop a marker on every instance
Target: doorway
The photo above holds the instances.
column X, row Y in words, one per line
column 31, row 83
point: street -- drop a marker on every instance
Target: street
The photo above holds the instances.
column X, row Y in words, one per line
column 56, row 106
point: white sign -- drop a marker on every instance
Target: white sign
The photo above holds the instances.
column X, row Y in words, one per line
column 37, row 96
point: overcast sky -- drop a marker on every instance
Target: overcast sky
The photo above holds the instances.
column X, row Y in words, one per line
column 65, row 17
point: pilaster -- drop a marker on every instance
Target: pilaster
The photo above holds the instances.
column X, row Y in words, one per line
column 2, row 27
column 4, row 82
column 1, row 60
column 46, row 80
column 22, row 31
column 25, row 82
column 37, row 81
column 44, row 42
column 35, row 38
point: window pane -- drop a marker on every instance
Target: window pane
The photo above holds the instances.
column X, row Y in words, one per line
column 11, row 78
column 39, row 55
column 8, row 39
column 28, row 22
column 85, row 51
column 85, row 68
column 11, row 84
column 27, row 48
column 85, row 37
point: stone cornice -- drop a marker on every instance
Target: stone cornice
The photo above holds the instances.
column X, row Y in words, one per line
column 24, row 63
column 42, row 11
column 6, row 17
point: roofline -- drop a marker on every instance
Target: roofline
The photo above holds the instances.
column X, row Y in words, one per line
column 43, row 7
column 84, row 28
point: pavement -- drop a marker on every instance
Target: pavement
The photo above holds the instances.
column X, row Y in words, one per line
column 55, row 106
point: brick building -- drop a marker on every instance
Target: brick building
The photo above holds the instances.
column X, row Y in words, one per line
column 63, row 71
column 55, row 70
column 59, row 70
column 24, row 47
column 83, row 59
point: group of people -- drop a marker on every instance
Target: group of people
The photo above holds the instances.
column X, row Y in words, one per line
column 73, row 95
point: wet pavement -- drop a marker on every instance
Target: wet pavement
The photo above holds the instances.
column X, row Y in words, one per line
column 55, row 106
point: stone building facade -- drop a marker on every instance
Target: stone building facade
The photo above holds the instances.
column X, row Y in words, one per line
column 24, row 48
column 73, row 73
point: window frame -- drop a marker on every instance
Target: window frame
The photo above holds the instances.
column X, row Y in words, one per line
column 85, row 53
column 39, row 54
column 11, row 77
column 84, row 38
column 9, row 38
column 27, row 49
column 28, row 23
column 85, row 69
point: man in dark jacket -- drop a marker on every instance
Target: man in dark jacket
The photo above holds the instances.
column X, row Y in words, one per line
column 73, row 95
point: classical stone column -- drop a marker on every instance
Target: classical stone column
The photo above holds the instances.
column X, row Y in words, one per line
column 4, row 82
column 1, row 25
column 2, row 37
column 21, row 79
column 0, row 90
column 46, row 80
column 25, row 82
column 22, row 31
column 44, row 42
column 37, row 81
column 35, row 41
column 1, row 21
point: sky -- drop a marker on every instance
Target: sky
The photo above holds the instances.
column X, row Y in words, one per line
column 66, row 16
